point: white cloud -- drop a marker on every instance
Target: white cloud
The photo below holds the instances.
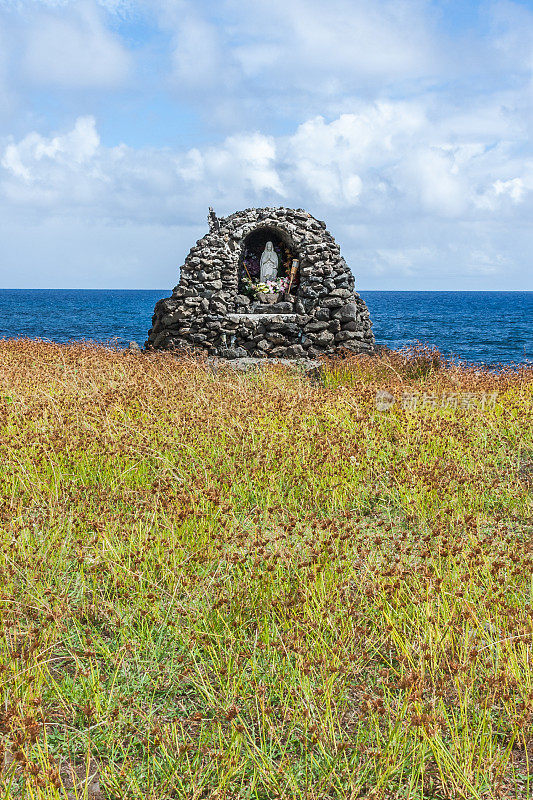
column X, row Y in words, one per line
column 71, row 150
column 420, row 201
column 431, row 177
column 73, row 49
column 352, row 37
column 257, row 65
column 503, row 192
column 412, row 142
column 197, row 55
column 386, row 159
column 331, row 160
column 246, row 161
column 48, row 174
column 513, row 33
column 317, row 44
column 514, row 189
column 115, row 6
column 237, row 61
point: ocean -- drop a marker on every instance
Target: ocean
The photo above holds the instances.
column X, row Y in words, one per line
column 480, row 327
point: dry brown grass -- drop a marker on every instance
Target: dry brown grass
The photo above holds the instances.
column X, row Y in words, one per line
column 226, row 585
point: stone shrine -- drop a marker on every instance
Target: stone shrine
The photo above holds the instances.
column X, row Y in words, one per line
column 265, row 283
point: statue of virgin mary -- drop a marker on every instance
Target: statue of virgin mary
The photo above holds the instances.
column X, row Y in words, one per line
column 269, row 263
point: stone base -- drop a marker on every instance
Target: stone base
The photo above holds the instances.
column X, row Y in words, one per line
column 244, row 364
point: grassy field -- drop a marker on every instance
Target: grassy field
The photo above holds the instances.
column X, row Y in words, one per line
column 261, row 585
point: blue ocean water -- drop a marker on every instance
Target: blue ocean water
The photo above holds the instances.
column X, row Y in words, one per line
column 483, row 327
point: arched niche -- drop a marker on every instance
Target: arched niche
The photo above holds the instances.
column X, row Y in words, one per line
column 252, row 248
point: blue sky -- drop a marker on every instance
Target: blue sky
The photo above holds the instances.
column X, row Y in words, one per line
column 405, row 124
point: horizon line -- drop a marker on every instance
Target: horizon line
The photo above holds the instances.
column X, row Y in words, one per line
column 159, row 289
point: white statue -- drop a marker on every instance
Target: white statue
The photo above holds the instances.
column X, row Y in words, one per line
column 269, row 263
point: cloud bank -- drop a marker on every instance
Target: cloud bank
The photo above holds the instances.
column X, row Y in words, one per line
column 422, row 167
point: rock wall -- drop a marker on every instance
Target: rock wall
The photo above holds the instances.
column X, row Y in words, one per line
column 207, row 313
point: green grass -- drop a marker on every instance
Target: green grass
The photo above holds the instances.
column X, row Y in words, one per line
column 225, row 585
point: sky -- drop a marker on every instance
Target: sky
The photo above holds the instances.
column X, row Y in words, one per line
column 405, row 124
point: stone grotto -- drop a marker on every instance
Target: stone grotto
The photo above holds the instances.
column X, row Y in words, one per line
column 264, row 283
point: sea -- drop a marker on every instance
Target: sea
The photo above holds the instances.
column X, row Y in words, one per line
column 475, row 327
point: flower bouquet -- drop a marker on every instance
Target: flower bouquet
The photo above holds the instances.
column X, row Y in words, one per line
column 259, row 290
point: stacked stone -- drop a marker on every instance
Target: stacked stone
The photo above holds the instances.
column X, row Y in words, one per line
column 207, row 314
